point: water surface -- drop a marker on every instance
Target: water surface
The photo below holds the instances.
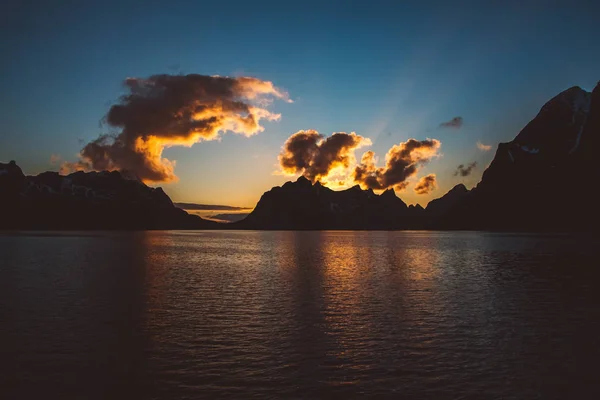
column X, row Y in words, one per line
column 160, row 315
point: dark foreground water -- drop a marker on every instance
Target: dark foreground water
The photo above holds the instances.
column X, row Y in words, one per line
column 169, row 315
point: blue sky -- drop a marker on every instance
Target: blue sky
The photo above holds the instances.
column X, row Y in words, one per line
column 382, row 69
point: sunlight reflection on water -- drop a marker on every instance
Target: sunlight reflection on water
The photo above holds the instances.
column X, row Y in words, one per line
column 299, row 314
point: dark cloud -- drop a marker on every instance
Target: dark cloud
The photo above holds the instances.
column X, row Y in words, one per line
column 401, row 162
column 456, row 123
column 465, row 171
column 426, row 184
column 175, row 110
column 315, row 156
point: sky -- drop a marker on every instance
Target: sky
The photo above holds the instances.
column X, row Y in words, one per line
column 388, row 71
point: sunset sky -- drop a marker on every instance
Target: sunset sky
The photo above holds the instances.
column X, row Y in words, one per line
column 384, row 71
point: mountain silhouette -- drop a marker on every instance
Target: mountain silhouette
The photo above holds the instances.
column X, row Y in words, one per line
column 302, row 205
column 439, row 210
column 536, row 182
column 533, row 183
column 86, row 200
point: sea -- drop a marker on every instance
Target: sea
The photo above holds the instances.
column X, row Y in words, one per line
column 299, row 315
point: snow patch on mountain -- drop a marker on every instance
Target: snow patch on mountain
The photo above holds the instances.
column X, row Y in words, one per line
column 577, row 139
column 527, row 149
column 582, row 101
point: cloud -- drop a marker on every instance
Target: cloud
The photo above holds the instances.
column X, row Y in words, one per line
column 483, row 147
column 175, row 110
column 426, row 184
column 55, row 159
column 465, row 171
column 401, row 162
column 315, row 156
column 455, row 123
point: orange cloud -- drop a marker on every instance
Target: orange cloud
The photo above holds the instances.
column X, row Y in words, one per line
column 401, row 162
column 317, row 157
column 176, row 110
column 483, row 147
column 426, row 184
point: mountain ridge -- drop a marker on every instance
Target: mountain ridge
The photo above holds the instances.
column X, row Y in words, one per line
column 86, row 200
column 520, row 190
column 516, row 192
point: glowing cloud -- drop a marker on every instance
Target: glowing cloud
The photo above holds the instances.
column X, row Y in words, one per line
column 426, row 184
column 317, row 157
column 175, row 110
column 401, row 162
column 483, row 147
column 465, row 171
column 455, row 123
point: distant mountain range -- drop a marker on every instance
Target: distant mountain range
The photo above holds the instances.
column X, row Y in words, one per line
column 542, row 180
column 213, row 207
column 87, row 200
column 228, row 217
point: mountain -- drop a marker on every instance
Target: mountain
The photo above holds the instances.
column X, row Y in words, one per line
column 439, row 210
column 542, row 180
column 86, row 200
column 538, row 180
column 209, row 207
column 303, row 205
column 228, row 217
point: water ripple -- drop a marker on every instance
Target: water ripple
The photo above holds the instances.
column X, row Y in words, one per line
column 162, row 315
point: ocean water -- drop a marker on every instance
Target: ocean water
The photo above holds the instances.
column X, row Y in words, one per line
column 304, row 315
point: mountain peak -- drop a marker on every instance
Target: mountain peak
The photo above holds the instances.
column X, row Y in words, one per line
column 416, row 207
column 448, row 201
column 388, row 193
column 303, row 181
column 460, row 188
column 11, row 168
column 574, row 89
column 574, row 98
column 129, row 175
